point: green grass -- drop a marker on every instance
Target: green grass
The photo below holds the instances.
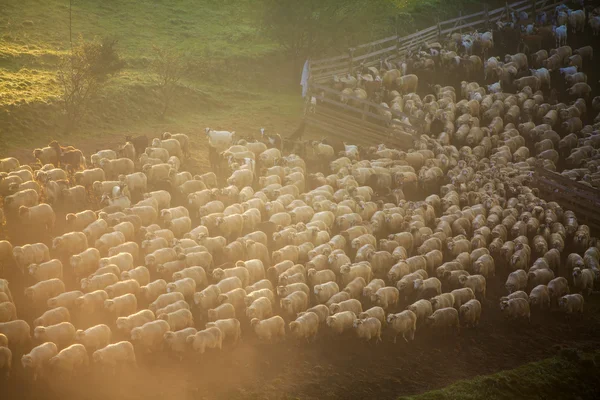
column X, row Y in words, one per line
column 241, row 78
column 553, row 378
column 222, row 38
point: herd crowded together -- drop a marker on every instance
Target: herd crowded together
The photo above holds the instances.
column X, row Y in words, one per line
column 363, row 241
column 538, row 75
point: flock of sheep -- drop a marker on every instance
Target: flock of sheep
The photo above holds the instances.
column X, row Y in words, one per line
column 539, row 76
column 182, row 263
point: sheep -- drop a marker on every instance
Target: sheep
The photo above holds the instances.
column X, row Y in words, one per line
column 8, row 311
column 85, row 262
column 126, row 324
column 67, row 300
column 442, row 301
column 470, row 312
column 294, row 303
column 47, row 270
column 341, row 322
column 403, row 323
column 115, row 354
column 515, row 308
column 149, row 337
column 92, row 302
column 94, row 338
column 45, row 155
column 517, row 280
column 123, row 260
column 269, row 330
column 229, row 327
column 42, row 291
column 583, row 280
column 62, row 334
column 461, row 296
column 571, row 303
column 169, row 308
column 427, row 288
column 368, row 328
column 444, row 319
column 579, row 90
column 98, row 282
column 5, row 360
column 387, row 297
column 477, row 283
column 122, row 287
column 422, row 309
column 560, row 33
column 114, row 168
column 260, row 308
column 346, row 305
column 70, row 359
column 17, row 332
column 179, row 319
column 38, row 357
column 185, row 286
column 121, row 306
column 557, row 288
column 88, row 177
column 29, row 254
column 53, row 317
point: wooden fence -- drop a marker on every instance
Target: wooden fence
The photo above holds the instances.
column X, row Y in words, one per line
column 358, row 121
column 370, row 54
column 571, row 195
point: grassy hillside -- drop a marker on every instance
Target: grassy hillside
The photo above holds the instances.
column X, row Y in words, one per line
column 241, row 78
column 553, row 378
column 221, row 38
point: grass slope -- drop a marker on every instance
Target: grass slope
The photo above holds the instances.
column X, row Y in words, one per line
column 222, row 38
column 553, row 378
column 241, row 78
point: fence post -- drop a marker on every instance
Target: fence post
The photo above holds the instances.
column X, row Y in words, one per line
column 507, row 12
column 534, row 8
column 439, row 28
column 351, row 61
column 460, row 21
column 487, row 15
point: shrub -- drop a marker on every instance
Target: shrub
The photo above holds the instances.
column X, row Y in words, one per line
column 83, row 74
column 170, row 67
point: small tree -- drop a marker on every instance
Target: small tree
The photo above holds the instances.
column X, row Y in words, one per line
column 170, row 67
column 83, row 74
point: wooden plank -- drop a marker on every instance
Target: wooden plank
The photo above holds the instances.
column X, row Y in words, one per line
column 351, row 108
column 337, row 132
column 496, row 11
column 329, row 74
column 327, row 66
column 325, row 60
column 375, row 53
column 462, row 18
column 594, row 194
column 553, row 5
column 480, row 22
column 365, row 127
column 370, row 103
column 422, row 32
column 360, row 130
column 387, row 39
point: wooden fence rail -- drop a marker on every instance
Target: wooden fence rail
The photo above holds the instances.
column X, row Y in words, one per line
column 571, row 195
column 373, row 53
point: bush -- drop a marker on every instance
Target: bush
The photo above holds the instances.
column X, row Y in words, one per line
column 170, row 67
column 83, row 74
